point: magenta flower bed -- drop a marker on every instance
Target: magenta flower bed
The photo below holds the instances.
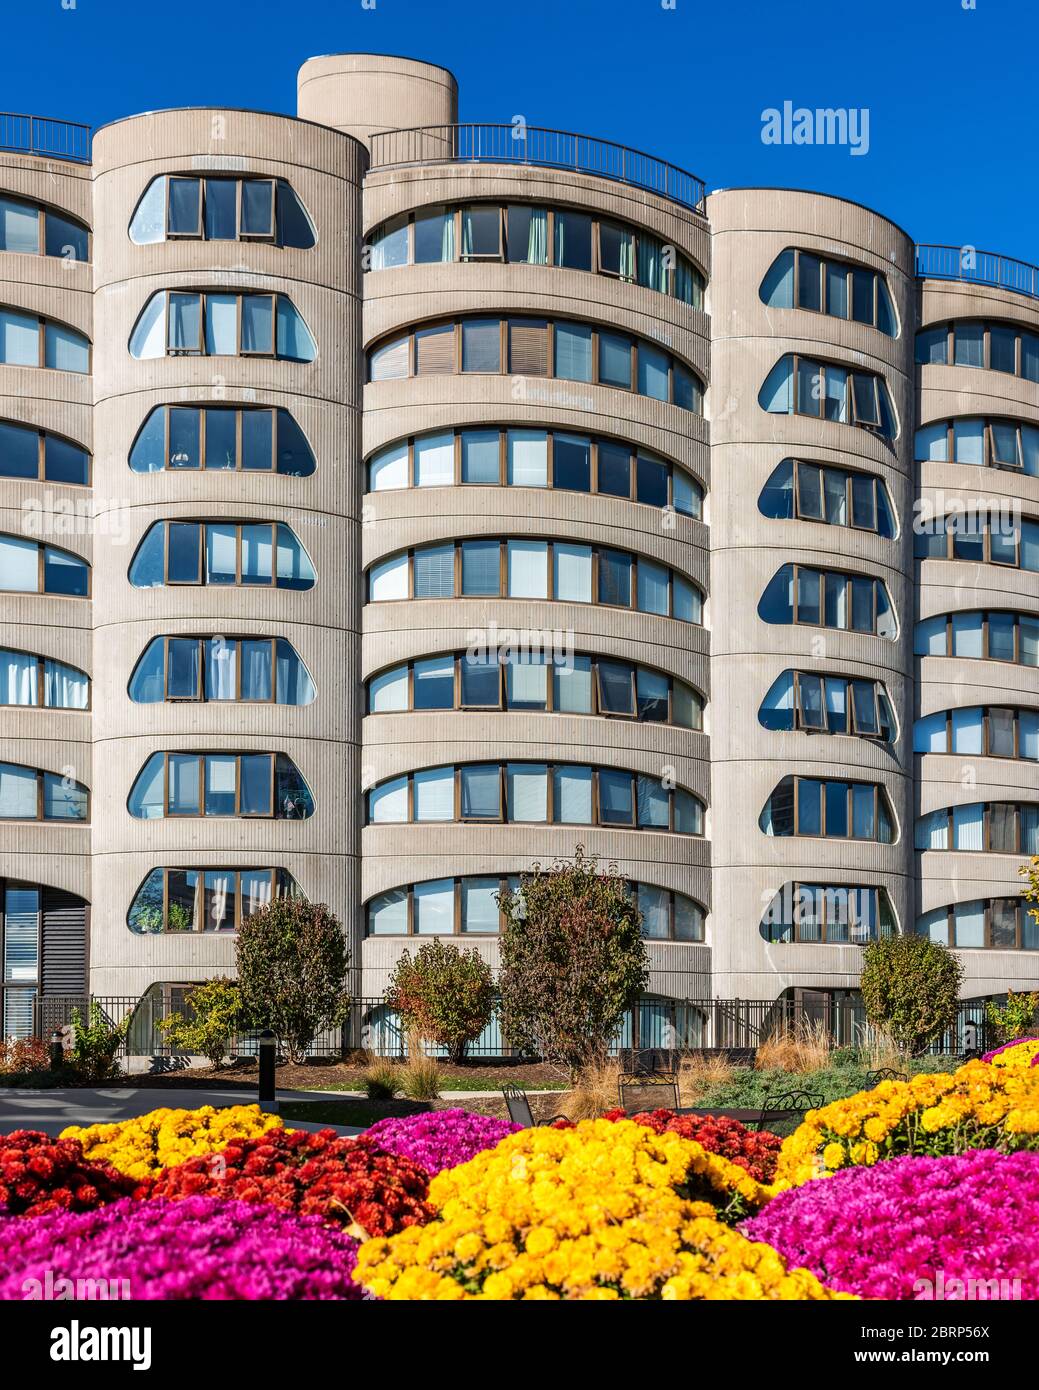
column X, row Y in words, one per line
column 199, row 1248
column 1015, row 1043
column 440, row 1139
column 906, row 1228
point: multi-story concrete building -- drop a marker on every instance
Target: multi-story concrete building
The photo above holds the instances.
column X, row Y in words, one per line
column 387, row 503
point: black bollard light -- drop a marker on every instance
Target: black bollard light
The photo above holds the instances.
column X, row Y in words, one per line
column 57, row 1051
column 268, row 1098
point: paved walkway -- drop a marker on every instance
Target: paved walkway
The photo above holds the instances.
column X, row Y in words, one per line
column 53, row 1110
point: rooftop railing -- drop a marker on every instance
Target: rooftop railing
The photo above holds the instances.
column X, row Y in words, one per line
column 977, row 267
column 551, row 149
column 40, row 135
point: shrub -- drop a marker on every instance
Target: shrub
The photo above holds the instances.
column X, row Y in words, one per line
column 347, row 1182
column 381, row 1079
column 1016, row 1016
column 145, row 1145
column 199, row 1249
column 892, row 1231
column 216, row 1009
column 444, row 995
column 976, row 1107
column 594, row 1091
column 572, row 961
column 910, row 989
column 292, row 969
column 585, row 1213
column 420, row 1077
column 95, row 1044
column 40, row 1174
column 441, row 1138
column 23, row 1055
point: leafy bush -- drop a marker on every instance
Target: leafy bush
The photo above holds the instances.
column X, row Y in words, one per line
column 96, row 1043
column 292, row 968
column 23, row 1055
column 910, row 989
column 572, row 961
column 444, row 995
column 1016, row 1017
column 216, row 1009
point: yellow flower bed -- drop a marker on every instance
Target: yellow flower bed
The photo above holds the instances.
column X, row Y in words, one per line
column 1022, row 1054
column 976, row 1107
column 585, row 1213
column 143, row 1146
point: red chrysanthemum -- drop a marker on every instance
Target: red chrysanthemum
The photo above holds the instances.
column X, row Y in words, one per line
column 40, row 1174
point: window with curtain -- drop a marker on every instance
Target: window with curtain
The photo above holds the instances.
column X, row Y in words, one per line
column 178, row 322
column 221, row 553
column 828, row 914
column 221, row 208
column 827, row 391
column 204, row 900
column 996, row 924
column 828, row 704
column 984, row 442
column 984, row 731
column 220, row 784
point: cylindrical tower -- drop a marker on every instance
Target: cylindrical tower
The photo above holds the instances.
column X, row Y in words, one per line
column 536, row 461
column 225, row 616
column 363, row 93
column 811, row 410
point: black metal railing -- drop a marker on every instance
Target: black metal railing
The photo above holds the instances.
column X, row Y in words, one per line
column 977, row 267
column 43, row 136
column 488, row 143
column 655, row 1024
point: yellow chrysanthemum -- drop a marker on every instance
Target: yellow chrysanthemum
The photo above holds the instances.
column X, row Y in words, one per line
column 143, row 1146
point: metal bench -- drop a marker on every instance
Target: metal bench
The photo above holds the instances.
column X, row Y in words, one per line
column 518, row 1106
column 874, row 1078
column 648, row 1091
column 781, row 1114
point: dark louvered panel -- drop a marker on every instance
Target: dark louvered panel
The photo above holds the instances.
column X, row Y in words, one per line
column 64, row 943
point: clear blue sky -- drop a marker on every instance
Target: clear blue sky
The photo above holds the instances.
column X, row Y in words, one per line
column 952, row 94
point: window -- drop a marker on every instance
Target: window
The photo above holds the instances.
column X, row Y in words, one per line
column 28, row 793
column 28, row 341
column 834, row 496
column 27, row 567
column 827, row 598
column 828, row 704
column 981, row 634
column 800, row 279
column 996, row 347
column 176, row 323
column 828, row 915
column 992, row 827
column 985, row 730
column 818, row 807
column 984, row 442
column 452, row 906
column 41, row 456
column 545, row 680
column 220, row 784
column 995, row 537
column 536, row 347
column 553, row 570
column 801, row 386
column 205, row 900
column 35, row 230
column 517, row 792
column 223, row 553
column 242, row 669
column 179, row 206
column 540, row 458
column 26, row 679
column 994, row 924
column 249, row 439
column 522, row 234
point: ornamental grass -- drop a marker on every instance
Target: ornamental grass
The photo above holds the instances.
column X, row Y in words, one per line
column 596, row 1212
column 196, row 1249
column 39, row 1174
column 351, row 1183
column 964, row 1226
column 439, row 1139
column 976, row 1107
column 144, row 1146
column 756, row 1151
column 1022, row 1052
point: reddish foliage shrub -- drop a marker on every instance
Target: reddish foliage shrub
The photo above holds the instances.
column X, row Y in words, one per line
column 344, row 1181
column 39, row 1174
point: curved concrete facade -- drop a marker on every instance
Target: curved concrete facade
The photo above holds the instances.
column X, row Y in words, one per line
column 730, row 551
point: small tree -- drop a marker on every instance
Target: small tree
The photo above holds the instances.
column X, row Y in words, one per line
column 292, row 964
column 572, row 961
column 1016, row 1017
column 910, row 989
column 444, row 995
column 96, row 1044
column 216, row 1009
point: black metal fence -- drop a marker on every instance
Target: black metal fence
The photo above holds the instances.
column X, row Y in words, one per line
column 490, row 143
column 656, row 1023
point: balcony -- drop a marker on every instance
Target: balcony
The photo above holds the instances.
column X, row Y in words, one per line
column 535, row 145
column 977, row 268
column 41, row 136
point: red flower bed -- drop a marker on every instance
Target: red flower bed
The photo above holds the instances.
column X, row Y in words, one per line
column 756, row 1151
column 343, row 1180
column 39, row 1174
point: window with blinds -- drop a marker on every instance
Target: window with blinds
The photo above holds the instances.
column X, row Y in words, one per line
column 435, row 351
column 528, row 347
